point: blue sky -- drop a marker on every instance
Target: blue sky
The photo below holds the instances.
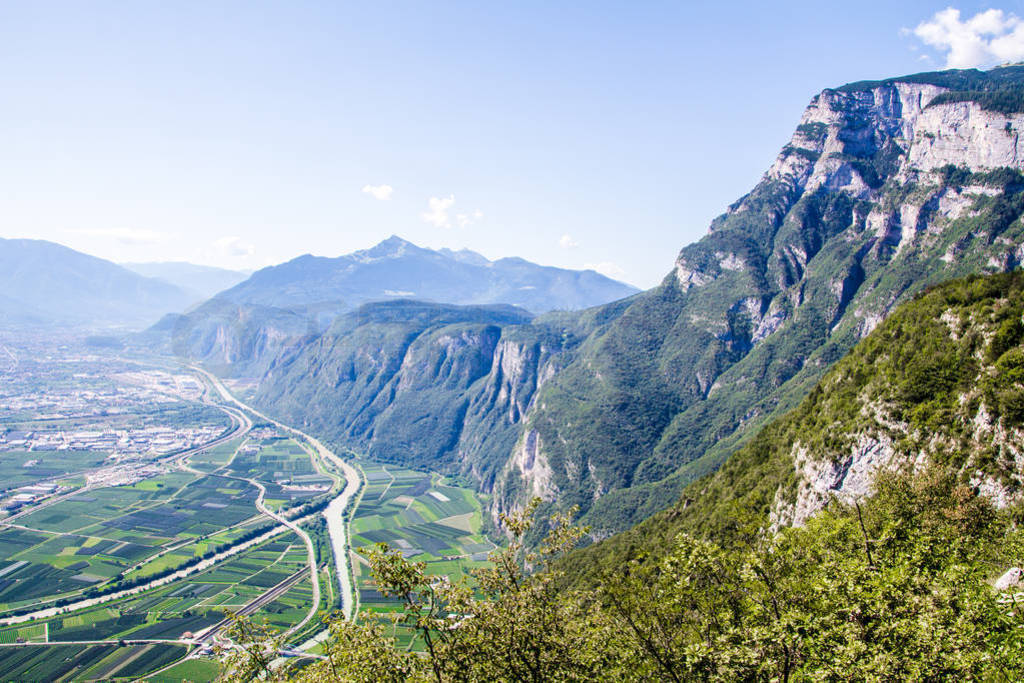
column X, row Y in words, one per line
column 573, row 134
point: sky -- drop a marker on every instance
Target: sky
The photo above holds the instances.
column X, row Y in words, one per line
column 593, row 134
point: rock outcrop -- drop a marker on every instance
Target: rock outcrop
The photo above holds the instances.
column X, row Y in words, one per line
column 884, row 190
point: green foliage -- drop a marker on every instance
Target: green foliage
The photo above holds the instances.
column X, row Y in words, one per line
column 507, row 627
column 808, row 154
column 896, row 589
column 629, row 402
column 1000, row 89
column 921, row 379
column 895, row 592
column 816, row 131
column 1004, row 101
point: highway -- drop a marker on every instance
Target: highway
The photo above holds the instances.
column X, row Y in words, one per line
column 241, row 424
column 207, row 636
column 335, row 511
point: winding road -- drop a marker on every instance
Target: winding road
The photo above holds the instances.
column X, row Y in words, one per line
column 334, row 514
column 335, row 511
column 337, row 506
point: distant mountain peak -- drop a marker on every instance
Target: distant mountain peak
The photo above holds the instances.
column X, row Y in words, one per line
column 397, row 267
column 47, row 283
column 199, row 281
column 466, row 256
column 391, row 248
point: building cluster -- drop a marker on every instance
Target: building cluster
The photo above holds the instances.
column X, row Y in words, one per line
column 124, row 474
column 26, row 495
column 120, row 443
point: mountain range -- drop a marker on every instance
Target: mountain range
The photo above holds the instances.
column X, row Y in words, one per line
column 397, row 269
column 242, row 329
column 885, row 189
column 201, row 282
column 45, row 283
column 939, row 384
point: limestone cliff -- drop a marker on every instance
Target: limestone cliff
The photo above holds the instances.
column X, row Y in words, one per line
column 937, row 389
column 885, row 189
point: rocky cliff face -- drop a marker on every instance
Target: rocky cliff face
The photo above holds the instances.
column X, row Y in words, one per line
column 936, row 389
column 884, row 189
column 879, row 194
column 427, row 385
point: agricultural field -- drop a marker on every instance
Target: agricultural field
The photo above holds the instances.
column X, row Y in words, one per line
column 100, row 534
column 424, row 518
column 205, row 669
column 215, row 458
column 22, row 468
column 283, row 466
column 187, row 605
column 84, row 662
column 136, row 504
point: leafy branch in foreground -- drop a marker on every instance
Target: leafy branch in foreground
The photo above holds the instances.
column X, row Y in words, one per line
column 897, row 587
column 897, row 590
column 507, row 625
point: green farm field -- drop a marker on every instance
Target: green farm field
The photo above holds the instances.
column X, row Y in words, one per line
column 84, row 662
column 167, row 613
column 101, row 534
column 425, row 519
column 283, row 466
column 132, row 532
column 21, row 468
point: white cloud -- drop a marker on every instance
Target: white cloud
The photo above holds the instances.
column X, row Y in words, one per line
column 382, row 192
column 234, row 246
column 437, row 211
column 606, row 268
column 567, row 242
column 128, row 236
column 988, row 38
column 464, row 219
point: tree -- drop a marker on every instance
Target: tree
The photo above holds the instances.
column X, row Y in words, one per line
column 894, row 588
column 505, row 626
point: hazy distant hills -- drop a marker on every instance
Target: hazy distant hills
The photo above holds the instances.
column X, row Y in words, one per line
column 240, row 329
column 397, row 269
column 200, row 281
column 43, row 282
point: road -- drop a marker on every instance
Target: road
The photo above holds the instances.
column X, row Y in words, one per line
column 335, row 511
column 335, row 518
column 314, row 575
column 208, row 635
column 14, row 359
column 156, row 583
column 240, row 424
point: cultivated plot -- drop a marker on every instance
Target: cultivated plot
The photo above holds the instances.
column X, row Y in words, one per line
column 102, row 534
column 425, row 519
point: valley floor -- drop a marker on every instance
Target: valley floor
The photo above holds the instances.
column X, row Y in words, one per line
column 127, row 575
column 126, row 566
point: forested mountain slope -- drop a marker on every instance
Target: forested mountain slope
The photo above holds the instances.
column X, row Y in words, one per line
column 871, row 533
column 885, row 189
column 241, row 330
column 877, row 196
column 938, row 385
